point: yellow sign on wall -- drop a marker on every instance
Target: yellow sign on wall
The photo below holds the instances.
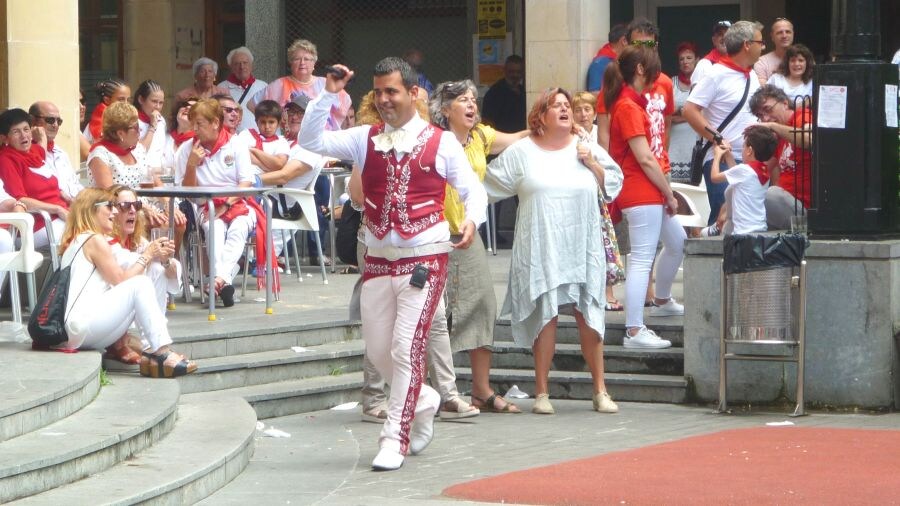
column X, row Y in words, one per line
column 491, row 19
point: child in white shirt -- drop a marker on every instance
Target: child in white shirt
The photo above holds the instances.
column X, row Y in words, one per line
column 268, row 150
column 745, row 208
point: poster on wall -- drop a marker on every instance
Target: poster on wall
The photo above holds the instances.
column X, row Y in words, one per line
column 492, row 19
column 489, row 57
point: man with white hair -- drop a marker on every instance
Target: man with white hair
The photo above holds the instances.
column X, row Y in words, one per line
column 241, row 83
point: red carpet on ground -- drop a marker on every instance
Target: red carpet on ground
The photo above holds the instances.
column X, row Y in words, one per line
column 766, row 465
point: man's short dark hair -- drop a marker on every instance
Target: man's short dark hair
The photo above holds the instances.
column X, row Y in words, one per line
column 514, row 58
column 763, row 140
column 765, row 92
column 617, row 31
column 643, row 25
column 13, row 117
column 393, row 64
column 268, row 109
column 34, row 110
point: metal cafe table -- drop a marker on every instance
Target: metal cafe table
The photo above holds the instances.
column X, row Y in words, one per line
column 209, row 193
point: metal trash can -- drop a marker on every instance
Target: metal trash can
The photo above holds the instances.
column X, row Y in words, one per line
column 763, row 302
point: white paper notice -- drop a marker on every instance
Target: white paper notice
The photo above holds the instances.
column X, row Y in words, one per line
column 832, row 106
column 890, row 105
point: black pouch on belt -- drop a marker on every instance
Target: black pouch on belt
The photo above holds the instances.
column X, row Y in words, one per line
column 419, row 276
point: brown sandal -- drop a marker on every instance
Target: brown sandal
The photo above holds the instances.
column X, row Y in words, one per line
column 154, row 366
column 487, row 405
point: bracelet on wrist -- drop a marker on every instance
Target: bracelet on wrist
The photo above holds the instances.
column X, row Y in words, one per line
column 167, row 263
column 143, row 261
column 21, row 204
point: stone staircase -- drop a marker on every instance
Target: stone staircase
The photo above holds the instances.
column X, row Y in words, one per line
column 65, row 439
column 631, row 375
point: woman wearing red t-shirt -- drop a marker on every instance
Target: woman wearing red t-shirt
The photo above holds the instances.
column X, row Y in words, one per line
column 646, row 199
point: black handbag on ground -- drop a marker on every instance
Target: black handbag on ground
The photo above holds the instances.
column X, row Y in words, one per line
column 47, row 323
column 282, row 211
column 702, row 145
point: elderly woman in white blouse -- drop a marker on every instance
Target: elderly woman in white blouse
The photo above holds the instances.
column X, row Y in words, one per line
column 558, row 260
column 205, row 73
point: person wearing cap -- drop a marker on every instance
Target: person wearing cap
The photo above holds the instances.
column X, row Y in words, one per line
column 617, row 42
column 242, row 84
column 302, row 57
column 714, row 54
column 404, row 164
column 205, row 71
column 782, row 35
column 719, row 93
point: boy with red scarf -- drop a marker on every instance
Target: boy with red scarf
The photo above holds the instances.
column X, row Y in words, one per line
column 268, row 150
column 745, row 211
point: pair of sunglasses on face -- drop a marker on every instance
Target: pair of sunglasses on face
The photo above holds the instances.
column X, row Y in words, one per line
column 123, row 206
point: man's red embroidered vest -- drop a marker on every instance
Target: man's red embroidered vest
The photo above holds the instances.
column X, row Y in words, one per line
column 405, row 195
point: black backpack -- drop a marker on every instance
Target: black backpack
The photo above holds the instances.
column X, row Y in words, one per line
column 345, row 238
column 47, row 323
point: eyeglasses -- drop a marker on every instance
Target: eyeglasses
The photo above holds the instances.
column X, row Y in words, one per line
column 229, row 110
column 134, row 127
column 769, row 107
column 104, row 203
column 646, row 43
column 50, row 120
column 125, row 206
column 761, row 43
column 304, row 59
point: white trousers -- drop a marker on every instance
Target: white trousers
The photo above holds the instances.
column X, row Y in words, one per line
column 6, row 246
column 229, row 242
column 440, row 357
column 646, row 226
column 107, row 317
column 396, row 319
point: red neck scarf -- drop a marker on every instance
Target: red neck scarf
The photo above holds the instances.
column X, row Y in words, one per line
column 95, row 127
column 761, row 172
column 113, row 148
column 607, row 51
column 34, row 157
column 221, row 140
column 683, row 79
column 713, row 55
column 630, row 93
column 143, row 117
column 179, row 137
column 243, row 84
column 50, row 146
column 728, row 62
column 260, row 138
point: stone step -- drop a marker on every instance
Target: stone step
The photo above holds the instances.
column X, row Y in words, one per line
column 295, row 396
column 235, row 371
column 40, row 388
column 617, row 359
column 238, row 342
column 127, row 416
column 210, row 444
column 577, row 385
column 671, row 328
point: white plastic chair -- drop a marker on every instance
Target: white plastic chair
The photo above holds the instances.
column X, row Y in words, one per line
column 697, row 202
column 25, row 259
column 306, row 199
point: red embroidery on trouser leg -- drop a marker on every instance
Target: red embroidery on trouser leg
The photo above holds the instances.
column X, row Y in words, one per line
column 396, row 321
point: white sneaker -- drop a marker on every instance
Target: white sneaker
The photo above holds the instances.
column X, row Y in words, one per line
column 422, row 431
column 645, row 338
column 670, row 308
column 387, row 460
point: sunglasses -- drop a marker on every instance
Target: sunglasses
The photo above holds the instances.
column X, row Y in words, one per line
column 229, row 110
column 646, row 43
column 125, row 206
column 104, row 203
column 50, row 120
column 783, row 19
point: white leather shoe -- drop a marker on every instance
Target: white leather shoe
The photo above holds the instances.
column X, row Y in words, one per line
column 422, row 431
column 387, row 460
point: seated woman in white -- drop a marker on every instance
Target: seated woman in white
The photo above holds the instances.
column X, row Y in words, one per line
column 104, row 299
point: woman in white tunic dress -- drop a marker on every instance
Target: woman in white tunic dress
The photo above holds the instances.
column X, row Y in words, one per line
column 558, row 260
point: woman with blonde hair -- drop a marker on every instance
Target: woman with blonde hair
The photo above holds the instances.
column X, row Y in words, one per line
column 104, row 299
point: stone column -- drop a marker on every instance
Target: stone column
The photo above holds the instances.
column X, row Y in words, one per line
column 149, row 42
column 265, row 37
column 562, row 37
column 39, row 61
